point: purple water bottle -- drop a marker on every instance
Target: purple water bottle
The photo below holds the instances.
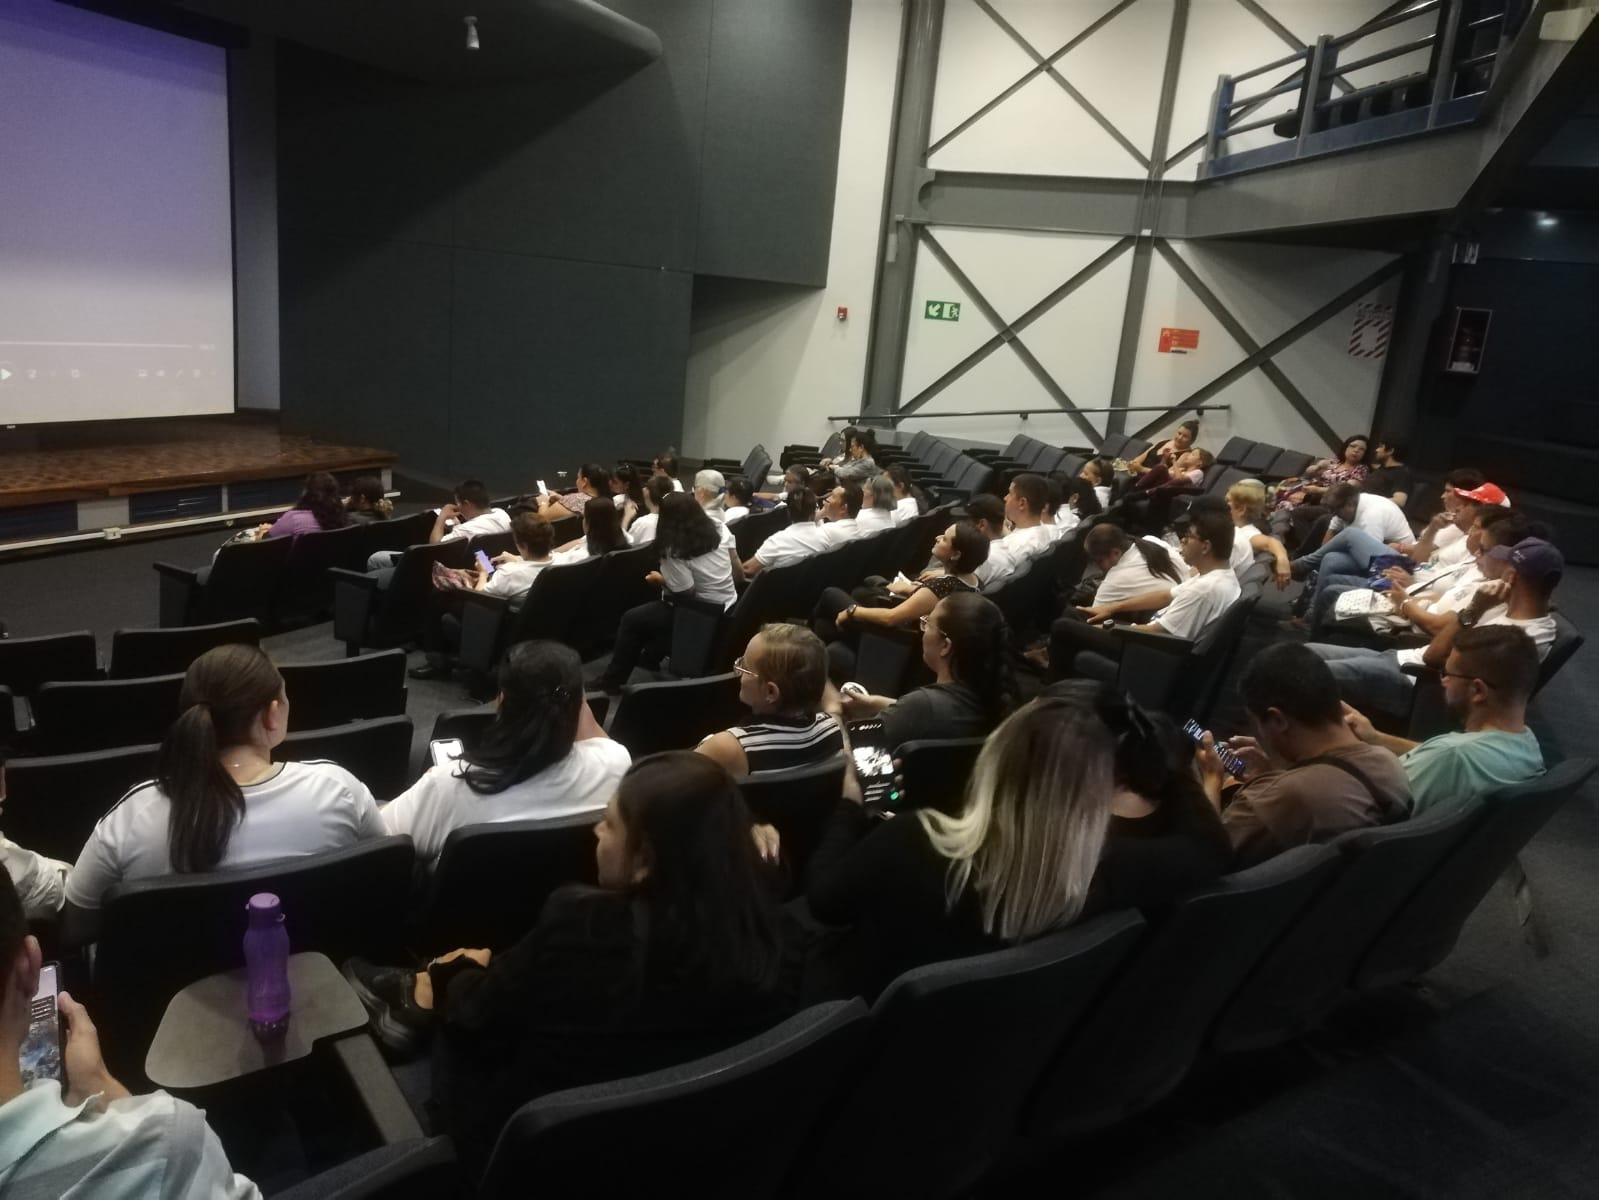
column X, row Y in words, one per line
column 266, row 964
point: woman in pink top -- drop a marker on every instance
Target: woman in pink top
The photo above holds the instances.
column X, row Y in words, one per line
column 320, row 507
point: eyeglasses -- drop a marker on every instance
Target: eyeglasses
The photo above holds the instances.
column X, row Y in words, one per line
column 1457, row 675
column 738, row 665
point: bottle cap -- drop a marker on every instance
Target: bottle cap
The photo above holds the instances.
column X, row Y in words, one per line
column 263, row 904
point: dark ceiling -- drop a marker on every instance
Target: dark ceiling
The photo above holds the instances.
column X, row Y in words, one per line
column 423, row 39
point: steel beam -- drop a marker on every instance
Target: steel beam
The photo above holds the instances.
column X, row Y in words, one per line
column 1050, row 204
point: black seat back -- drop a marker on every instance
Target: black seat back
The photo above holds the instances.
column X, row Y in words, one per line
column 466, row 724
column 101, row 714
column 676, row 714
column 707, row 1126
column 1259, row 459
column 935, row 772
column 620, row 587
column 1111, row 447
column 1426, row 928
column 1308, row 970
column 306, row 588
column 1235, row 449
column 324, row 694
column 491, row 880
column 243, row 582
column 402, row 609
column 140, row 653
column 753, row 530
column 554, row 605
column 1011, row 1007
column 395, row 534
column 1290, row 464
column 1188, row 683
column 884, row 658
column 1568, row 640
column 1146, row 1029
column 25, row 663
column 799, row 803
column 52, row 803
column 378, row 752
column 157, row 936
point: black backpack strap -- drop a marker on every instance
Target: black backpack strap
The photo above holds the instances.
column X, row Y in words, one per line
column 1349, row 769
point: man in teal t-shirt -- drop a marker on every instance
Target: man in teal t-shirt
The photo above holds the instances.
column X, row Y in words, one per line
column 1487, row 679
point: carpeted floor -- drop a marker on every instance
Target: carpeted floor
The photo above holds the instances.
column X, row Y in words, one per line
column 1485, row 1082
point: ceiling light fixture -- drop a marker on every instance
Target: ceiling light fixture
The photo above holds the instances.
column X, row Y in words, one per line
column 471, row 34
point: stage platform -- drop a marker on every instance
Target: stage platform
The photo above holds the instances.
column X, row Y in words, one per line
column 122, row 477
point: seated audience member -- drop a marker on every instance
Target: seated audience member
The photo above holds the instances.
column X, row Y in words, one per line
column 40, row 882
column 656, row 490
column 877, row 505
column 1059, row 517
column 468, row 516
column 90, row 1138
column 1487, row 680
column 1185, row 610
column 543, row 755
column 907, row 504
column 218, row 800
column 740, row 496
column 1165, row 839
column 802, row 539
column 1246, row 505
column 695, row 566
column 1099, row 473
column 366, row 502
column 319, row 507
column 665, row 465
column 1079, row 500
column 1390, row 477
column 1009, row 556
column 602, row 533
column 1349, row 466
column 593, row 483
column 1168, row 452
column 1458, row 484
column 1186, row 471
column 710, row 489
column 782, row 676
column 1307, row 778
column 627, row 493
column 1521, row 580
column 966, row 645
column 857, row 461
column 1363, row 528
column 1129, row 568
column 679, row 952
column 1015, row 862
column 988, row 514
column 958, row 551
column 795, row 480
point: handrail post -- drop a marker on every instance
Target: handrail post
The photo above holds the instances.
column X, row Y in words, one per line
column 1444, row 85
column 1221, row 101
column 1317, row 81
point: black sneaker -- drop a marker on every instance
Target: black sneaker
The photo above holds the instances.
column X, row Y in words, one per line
column 388, row 995
column 430, row 671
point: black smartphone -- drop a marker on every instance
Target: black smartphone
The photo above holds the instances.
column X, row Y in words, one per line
column 1230, row 762
column 41, row 1048
column 874, row 763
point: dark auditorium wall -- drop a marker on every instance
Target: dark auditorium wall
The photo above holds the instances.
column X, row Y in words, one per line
column 498, row 281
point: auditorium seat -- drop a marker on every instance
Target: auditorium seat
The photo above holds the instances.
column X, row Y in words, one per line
column 730, row 1126
column 156, row 936
column 140, row 653
column 52, row 803
column 955, row 1048
column 305, row 588
column 1111, row 446
column 551, row 608
column 1259, row 459
column 1234, row 451
column 884, row 658
column 1182, row 677
column 698, row 632
column 492, row 879
column 1310, row 967
column 395, row 534
column 799, row 803
column 620, row 586
column 325, row 694
column 1290, row 464
column 468, row 724
column 367, row 615
column 676, row 714
column 25, row 663
column 243, row 582
column 100, row 714
column 414, row 1169
column 1426, row 928
column 8, row 717
column 1145, row 1030
column 750, row 533
column 935, row 771
column 377, row 752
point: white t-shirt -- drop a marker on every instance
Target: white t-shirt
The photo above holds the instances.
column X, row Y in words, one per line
column 1067, row 518
column 642, row 531
column 1448, row 536
column 565, row 558
column 1380, row 517
column 677, row 485
column 836, row 533
column 737, row 513
column 874, row 520
column 496, row 520
column 1540, row 629
column 1457, row 596
column 441, row 801
column 1007, row 555
column 1131, row 577
column 306, row 808
column 1104, row 496
column 1243, row 553
column 905, row 510
column 514, row 579
column 708, row 577
column 1197, row 603
column 793, row 544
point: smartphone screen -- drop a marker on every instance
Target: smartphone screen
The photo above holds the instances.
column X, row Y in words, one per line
column 483, row 561
column 41, row 1049
column 543, row 490
column 1230, row 762
column 874, row 763
column 445, row 751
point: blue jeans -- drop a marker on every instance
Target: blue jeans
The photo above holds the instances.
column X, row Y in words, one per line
column 1325, row 598
column 1347, row 552
column 1368, row 679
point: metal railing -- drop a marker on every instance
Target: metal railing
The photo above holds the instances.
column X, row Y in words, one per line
column 1317, row 126
column 1024, row 413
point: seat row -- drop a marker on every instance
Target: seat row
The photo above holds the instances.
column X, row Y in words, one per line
column 1047, row 1041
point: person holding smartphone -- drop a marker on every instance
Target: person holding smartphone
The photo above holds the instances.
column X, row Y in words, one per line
column 86, row 1135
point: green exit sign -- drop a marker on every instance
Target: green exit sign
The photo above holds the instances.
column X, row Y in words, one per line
column 943, row 310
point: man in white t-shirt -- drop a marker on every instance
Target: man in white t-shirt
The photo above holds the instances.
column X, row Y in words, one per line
column 1026, row 501
column 1185, row 610
column 1363, row 527
column 800, row 541
column 1521, row 580
column 468, row 516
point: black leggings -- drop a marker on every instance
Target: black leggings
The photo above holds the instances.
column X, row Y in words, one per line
column 644, row 634
column 1071, row 635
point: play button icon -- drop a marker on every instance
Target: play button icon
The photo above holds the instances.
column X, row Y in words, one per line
column 4, row 374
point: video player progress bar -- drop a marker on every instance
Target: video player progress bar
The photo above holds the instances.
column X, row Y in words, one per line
column 112, row 345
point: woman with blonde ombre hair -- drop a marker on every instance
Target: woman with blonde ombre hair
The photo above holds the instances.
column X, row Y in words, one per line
column 1018, row 859
column 1246, row 505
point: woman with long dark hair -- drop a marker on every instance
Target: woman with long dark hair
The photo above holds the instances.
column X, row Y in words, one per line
column 679, row 951
column 367, row 502
column 544, row 755
column 1128, row 567
column 602, row 533
column 627, row 493
column 966, row 644
column 697, row 564
column 218, row 800
column 320, row 506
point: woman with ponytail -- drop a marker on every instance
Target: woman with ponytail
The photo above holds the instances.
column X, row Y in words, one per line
column 544, row 755
column 966, row 644
column 218, row 799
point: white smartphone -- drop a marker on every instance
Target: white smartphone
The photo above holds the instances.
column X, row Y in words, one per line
column 41, row 1048
column 445, row 751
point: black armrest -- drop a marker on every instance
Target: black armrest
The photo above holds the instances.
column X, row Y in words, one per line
column 427, row 1165
column 172, row 570
column 1164, row 643
column 1151, row 665
column 358, row 579
column 1419, row 671
column 354, row 595
column 380, row 1096
column 179, row 587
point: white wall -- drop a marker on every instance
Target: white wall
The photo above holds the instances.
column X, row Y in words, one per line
column 767, row 363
